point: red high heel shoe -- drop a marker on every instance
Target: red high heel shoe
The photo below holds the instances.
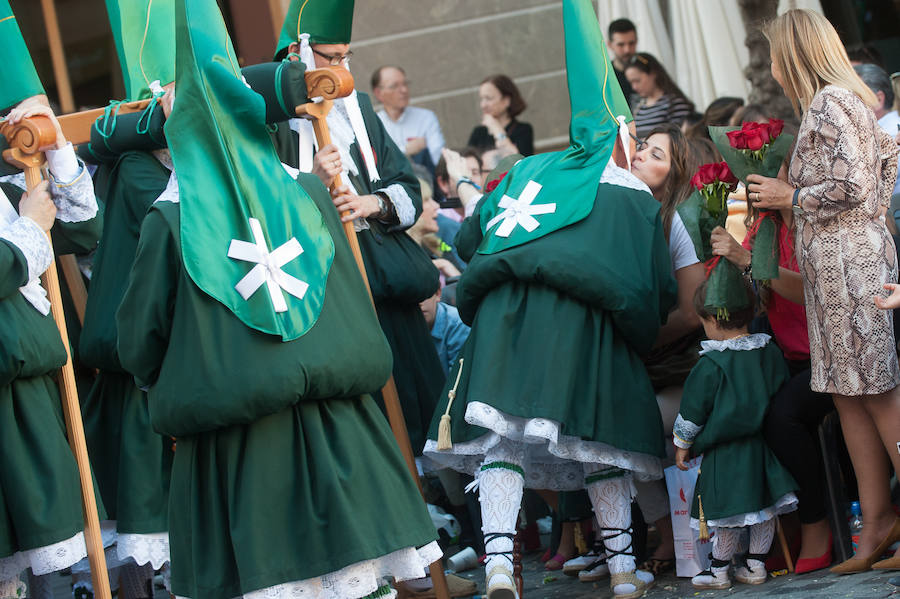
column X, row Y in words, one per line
column 810, row 564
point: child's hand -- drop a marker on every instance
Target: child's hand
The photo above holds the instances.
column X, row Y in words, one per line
column 892, row 301
column 681, row 456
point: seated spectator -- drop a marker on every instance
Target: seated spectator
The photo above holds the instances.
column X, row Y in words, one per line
column 416, row 131
column 447, row 194
column 447, row 329
column 750, row 113
column 718, row 113
column 662, row 101
column 435, row 234
column 500, row 103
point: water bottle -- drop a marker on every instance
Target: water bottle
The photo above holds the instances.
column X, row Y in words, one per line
column 856, row 524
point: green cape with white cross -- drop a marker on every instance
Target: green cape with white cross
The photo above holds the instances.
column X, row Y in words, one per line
column 546, row 192
column 144, row 33
column 17, row 74
column 251, row 237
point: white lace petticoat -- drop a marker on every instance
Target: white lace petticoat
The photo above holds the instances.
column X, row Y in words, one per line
column 356, row 580
column 552, row 460
column 46, row 559
column 787, row 503
column 152, row 548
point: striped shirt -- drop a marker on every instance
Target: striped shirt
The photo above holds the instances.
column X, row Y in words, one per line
column 668, row 109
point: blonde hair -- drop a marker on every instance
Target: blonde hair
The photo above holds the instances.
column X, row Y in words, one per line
column 810, row 55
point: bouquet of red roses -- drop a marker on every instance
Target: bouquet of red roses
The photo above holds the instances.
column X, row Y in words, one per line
column 703, row 211
column 757, row 148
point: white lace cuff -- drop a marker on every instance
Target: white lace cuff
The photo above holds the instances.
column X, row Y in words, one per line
column 745, row 343
column 684, row 432
column 406, row 212
column 165, row 158
column 170, row 193
column 64, row 164
column 75, row 201
column 31, row 240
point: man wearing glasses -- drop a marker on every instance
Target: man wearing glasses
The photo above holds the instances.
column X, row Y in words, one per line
column 415, row 130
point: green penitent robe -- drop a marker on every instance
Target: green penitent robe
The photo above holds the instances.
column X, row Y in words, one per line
column 40, row 498
column 131, row 461
column 728, row 393
column 559, row 323
column 284, row 469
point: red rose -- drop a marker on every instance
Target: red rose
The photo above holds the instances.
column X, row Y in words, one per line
column 737, row 140
column 492, row 185
column 775, row 127
column 725, row 175
column 709, row 173
column 696, row 182
column 756, row 136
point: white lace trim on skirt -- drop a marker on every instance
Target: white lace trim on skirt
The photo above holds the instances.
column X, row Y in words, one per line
column 46, row 559
column 356, row 580
column 144, row 548
column 552, row 461
column 787, row 503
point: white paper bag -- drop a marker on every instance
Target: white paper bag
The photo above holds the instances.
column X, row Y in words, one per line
column 691, row 554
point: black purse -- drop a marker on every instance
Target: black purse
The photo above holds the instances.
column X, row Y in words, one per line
column 399, row 269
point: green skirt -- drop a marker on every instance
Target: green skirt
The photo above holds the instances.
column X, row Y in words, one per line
column 132, row 463
column 417, row 369
column 742, row 483
column 297, row 495
column 40, row 498
column 542, row 368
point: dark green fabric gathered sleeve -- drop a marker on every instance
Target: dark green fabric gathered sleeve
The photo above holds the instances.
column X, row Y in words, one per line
column 697, row 400
column 144, row 317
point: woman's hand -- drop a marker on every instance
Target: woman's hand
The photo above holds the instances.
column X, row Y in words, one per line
column 682, row 456
column 28, row 108
column 446, row 267
column 456, row 167
column 493, row 125
column 327, row 164
column 723, row 244
column 38, row 206
column 769, row 194
column 353, row 205
column 892, row 301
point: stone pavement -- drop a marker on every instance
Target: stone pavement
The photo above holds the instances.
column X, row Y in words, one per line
column 541, row 584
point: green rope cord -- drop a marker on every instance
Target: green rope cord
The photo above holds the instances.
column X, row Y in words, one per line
column 607, row 474
column 504, row 466
column 106, row 124
column 144, row 127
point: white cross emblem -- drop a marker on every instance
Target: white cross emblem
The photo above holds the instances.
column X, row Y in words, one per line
column 520, row 212
column 268, row 267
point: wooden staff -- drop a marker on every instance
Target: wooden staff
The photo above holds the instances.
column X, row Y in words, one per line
column 330, row 83
column 60, row 71
column 24, row 140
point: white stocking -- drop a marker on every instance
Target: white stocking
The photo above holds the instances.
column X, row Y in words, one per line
column 611, row 500
column 761, row 536
column 500, row 486
column 725, row 543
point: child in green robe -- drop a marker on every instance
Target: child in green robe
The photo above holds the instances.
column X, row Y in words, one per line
column 741, row 483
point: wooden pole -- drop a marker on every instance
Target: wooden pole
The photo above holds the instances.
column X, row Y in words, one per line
column 25, row 139
column 317, row 112
column 57, row 54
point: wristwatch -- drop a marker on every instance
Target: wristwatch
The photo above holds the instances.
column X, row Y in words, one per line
column 382, row 207
column 500, row 137
column 796, row 207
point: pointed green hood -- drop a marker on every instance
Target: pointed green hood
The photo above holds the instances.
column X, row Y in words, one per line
column 546, row 192
column 326, row 22
column 17, row 74
column 251, row 237
column 144, row 32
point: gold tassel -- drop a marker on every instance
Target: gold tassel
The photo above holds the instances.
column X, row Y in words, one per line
column 704, row 530
column 444, row 441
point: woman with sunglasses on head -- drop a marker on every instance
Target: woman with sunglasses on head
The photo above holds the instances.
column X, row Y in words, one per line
column 662, row 101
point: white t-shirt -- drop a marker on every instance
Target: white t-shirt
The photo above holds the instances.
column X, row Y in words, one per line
column 415, row 122
column 681, row 248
